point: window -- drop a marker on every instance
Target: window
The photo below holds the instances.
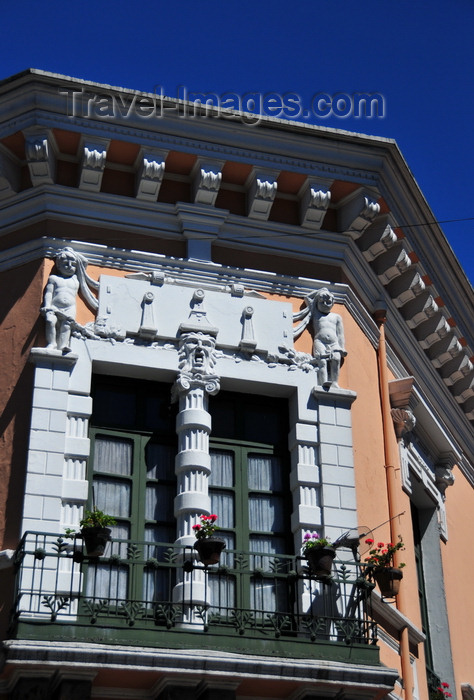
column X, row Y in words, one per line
column 132, row 475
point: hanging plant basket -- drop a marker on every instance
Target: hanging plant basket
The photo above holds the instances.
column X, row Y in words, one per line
column 95, row 540
column 388, row 580
column 209, row 549
column 320, row 560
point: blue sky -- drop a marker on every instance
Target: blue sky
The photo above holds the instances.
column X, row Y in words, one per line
column 419, row 55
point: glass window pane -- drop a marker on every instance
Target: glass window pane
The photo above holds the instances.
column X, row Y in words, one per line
column 112, row 496
column 160, row 461
column 113, row 455
column 222, row 468
column 114, row 407
column 222, row 504
column 266, row 513
column 264, row 473
column 159, row 502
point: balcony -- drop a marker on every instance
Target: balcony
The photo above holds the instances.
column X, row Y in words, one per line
column 160, row 595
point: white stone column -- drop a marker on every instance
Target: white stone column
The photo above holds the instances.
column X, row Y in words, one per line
column 193, row 463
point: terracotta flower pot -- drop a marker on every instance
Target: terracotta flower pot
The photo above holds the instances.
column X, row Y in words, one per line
column 209, row 549
column 95, row 540
column 388, row 580
column 320, row 560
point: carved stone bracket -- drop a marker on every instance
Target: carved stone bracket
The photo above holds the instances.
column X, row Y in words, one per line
column 40, row 156
column 314, row 202
column 9, row 174
column 261, row 192
column 357, row 213
column 206, row 179
column 94, row 153
column 377, row 239
column 404, row 421
column 150, row 171
column 444, row 477
column 148, row 329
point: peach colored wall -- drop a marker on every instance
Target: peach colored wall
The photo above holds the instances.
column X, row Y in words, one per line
column 458, row 567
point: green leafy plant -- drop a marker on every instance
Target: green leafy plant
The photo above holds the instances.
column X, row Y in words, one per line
column 96, row 518
column 206, row 528
column 312, row 541
column 381, row 555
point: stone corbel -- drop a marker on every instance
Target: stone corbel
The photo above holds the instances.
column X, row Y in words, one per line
column 150, row 166
column 401, row 400
column 9, row 174
column 39, row 150
column 444, row 350
column 406, row 287
column 404, row 421
column 419, row 310
column 261, row 192
column 206, row 178
column 377, row 239
column 357, row 213
column 94, row 154
column 444, row 476
column 392, row 264
column 315, row 198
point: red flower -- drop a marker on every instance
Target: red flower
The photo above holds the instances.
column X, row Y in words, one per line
column 369, row 541
column 445, row 685
column 380, row 544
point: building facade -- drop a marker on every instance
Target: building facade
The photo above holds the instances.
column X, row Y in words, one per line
column 260, row 321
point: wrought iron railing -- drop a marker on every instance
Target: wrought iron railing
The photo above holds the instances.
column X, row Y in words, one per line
column 141, row 588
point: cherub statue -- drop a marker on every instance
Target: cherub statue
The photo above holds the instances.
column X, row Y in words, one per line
column 59, row 303
column 328, row 335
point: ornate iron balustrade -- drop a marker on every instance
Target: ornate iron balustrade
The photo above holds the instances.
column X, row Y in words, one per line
column 140, row 589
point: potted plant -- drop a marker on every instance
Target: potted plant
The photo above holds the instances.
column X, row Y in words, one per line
column 95, row 531
column 319, row 552
column 208, row 547
column 441, row 692
column 380, row 566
